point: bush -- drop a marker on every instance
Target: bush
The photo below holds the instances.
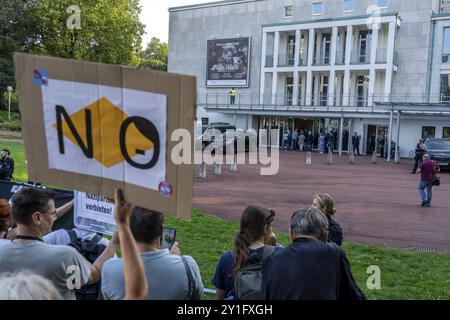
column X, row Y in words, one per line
column 14, row 103
column 13, row 125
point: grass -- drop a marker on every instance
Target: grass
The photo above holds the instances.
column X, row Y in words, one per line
column 404, row 274
column 3, row 136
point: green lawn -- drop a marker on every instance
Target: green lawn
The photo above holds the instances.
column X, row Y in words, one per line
column 404, row 274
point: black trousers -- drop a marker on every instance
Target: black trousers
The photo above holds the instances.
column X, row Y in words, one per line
column 232, row 99
column 356, row 149
column 417, row 161
column 5, row 174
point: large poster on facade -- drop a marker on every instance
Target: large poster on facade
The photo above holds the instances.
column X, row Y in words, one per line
column 95, row 127
column 228, row 62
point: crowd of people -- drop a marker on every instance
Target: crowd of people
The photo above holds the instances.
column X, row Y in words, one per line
column 38, row 263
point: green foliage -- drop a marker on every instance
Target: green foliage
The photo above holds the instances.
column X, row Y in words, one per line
column 12, row 124
column 110, row 30
column 155, row 56
column 14, row 102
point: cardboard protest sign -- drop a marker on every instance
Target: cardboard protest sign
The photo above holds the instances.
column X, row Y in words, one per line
column 95, row 127
column 94, row 213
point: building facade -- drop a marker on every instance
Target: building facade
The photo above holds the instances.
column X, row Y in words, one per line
column 379, row 68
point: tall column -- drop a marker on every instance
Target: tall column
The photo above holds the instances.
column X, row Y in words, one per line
column 373, row 59
column 397, row 145
column 318, row 46
column 391, row 120
column 341, row 134
column 338, row 90
column 316, row 89
column 332, row 81
column 373, row 52
column 372, row 79
column 346, row 90
column 348, row 51
column 262, row 84
column 296, row 63
column 390, row 61
column 275, row 65
column 309, row 77
column 348, row 45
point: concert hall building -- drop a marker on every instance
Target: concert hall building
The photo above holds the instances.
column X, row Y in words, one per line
column 379, row 68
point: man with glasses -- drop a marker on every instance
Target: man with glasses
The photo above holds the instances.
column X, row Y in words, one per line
column 309, row 268
column 34, row 212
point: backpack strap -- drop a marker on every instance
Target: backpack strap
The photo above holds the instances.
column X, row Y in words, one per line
column 73, row 235
column 267, row 252
column 190, row 278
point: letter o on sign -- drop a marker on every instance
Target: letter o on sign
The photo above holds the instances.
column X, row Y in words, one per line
column 148, row 130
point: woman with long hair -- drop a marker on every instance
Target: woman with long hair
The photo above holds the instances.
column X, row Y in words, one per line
column 324, row 202
column 248, row 245
column 6, row 221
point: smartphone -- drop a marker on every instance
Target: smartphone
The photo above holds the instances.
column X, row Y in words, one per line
column 168, row 238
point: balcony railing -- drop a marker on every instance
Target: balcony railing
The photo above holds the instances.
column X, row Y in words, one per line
column 381, row 56
column 358, row 57
column 340, row 57
column 269, row 62
column 321, row 60
column 286, row 60
column 270, row 101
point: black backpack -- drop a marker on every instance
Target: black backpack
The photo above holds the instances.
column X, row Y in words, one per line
column 91, row 250
column 248, row 280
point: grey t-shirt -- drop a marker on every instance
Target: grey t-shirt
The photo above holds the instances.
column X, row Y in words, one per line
column 49, row 261
column 166, row 277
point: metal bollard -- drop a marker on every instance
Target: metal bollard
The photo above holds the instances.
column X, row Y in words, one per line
column 233, row 165
column 217, row 169
column 374, row 158
column 308, row 158
column 330, row 157
column 202, row 171
column 352, row 158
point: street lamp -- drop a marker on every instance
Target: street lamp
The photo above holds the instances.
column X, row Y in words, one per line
column 10, row 89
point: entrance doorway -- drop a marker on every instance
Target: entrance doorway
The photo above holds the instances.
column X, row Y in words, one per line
column 377, row 139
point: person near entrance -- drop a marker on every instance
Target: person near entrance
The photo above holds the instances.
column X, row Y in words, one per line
column 355, row 143
column 232, row 96
column 301, row 140
column 419, row 153
column 309, row 141
column 428, row 170
column 294, row 140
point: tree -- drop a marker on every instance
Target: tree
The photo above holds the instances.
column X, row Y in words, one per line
column 155, row 56
column 15, row 26
column 110, row 30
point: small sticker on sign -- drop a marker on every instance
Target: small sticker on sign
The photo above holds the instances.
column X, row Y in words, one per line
column 165, row 189
column 40, row 77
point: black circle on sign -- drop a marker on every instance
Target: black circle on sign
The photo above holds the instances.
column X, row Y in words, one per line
column 148, row 130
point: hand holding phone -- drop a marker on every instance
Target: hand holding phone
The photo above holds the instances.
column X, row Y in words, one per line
column 168, row 238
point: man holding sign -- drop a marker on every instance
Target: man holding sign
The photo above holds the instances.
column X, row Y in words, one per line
column 94, row 127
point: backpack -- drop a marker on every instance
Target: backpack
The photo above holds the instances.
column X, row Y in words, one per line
column 248, row 280
column 91, row 250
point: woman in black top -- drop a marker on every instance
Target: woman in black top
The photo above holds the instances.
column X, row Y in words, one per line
column 325, row 203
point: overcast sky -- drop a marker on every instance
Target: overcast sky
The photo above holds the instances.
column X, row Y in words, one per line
column 156, row 17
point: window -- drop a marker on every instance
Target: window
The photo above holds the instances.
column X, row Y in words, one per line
column 446, row 51
column 428, row 132
column 317, row 8
column 383, row 3
column 349, row 5
column 445, row 88
column 446, row 132
column 288, row 11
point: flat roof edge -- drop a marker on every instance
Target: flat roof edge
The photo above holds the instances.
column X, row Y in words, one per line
column 209, row 4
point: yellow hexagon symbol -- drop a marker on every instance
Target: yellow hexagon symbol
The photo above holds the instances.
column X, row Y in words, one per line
column 107, row 119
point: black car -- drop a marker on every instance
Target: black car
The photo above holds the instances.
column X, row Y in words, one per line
column 229, row 137
column 439, row 151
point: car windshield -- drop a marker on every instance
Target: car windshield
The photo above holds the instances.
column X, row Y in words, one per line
column 439, row 145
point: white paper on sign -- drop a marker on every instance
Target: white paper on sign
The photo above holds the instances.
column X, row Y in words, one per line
column 93, row 213
column 127, row 130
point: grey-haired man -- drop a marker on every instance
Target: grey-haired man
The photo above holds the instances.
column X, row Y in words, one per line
column 309, row 268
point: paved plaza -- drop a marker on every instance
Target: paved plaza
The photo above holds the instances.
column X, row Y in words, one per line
column 376, row 203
